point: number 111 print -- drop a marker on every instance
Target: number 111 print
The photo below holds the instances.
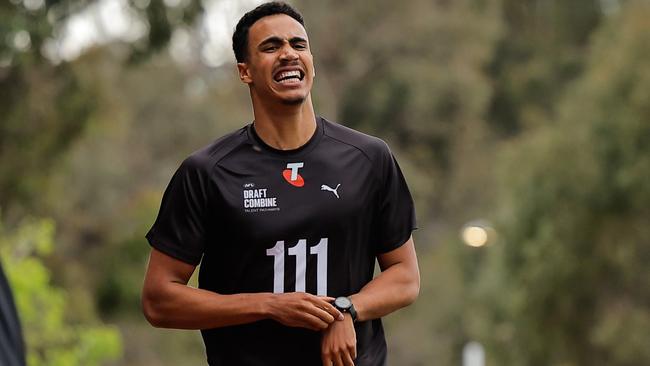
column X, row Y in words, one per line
column 300, row 252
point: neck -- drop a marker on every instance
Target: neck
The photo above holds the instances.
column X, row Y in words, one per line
column 285, row 127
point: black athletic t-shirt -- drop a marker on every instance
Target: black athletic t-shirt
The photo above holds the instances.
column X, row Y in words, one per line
column 265, row 220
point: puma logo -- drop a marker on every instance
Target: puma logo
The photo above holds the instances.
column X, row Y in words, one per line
column 325, row 187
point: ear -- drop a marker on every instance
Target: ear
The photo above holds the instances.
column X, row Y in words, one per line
column 244, row 73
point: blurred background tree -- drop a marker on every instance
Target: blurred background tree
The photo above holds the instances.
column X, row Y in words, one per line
column 38, row 93
column 569, row 284
column 53, row 336
column 527, row 114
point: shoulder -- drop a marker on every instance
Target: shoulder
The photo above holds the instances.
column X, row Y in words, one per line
column 208, row 156
column 374, row 148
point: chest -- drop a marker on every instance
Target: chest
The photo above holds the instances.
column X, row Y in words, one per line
column 294, row 196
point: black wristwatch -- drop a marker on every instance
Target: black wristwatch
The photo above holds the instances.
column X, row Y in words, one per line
column 344, row 305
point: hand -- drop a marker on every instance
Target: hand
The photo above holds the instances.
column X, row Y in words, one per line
column 299, row 309
column 339, row 343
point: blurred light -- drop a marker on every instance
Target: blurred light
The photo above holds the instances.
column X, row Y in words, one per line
column 112, row 19
column 213, row 56
column 219, row 21
column 99, row 23
column 119, row 21
column 473, row 354
column 33, row 5
column 180, row 46
column 477, row 233
column 106, row 21
column 79, row 33
column 50, row 50
column 475, row 236
column 22, row 41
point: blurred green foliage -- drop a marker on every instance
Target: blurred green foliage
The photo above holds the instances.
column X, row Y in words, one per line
column 44, row 107
column 574, row 219
column 529, row 114
column 51, row 338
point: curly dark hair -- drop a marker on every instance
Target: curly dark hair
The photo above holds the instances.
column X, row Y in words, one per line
column 240, row 36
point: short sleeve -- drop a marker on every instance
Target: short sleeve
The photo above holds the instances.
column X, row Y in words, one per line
column 180, row 228
column 396, row 212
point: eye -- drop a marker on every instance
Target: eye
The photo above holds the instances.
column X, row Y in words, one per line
column 300, row 46
column 270, row 48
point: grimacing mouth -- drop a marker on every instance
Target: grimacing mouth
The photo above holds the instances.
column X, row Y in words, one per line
column 289, row 73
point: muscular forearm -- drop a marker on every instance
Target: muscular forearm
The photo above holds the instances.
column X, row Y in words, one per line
column 393, row 289
column 398, row 285
column 183, row 307
column 168, row 302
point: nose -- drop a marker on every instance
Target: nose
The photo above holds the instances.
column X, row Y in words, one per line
column 288, row 53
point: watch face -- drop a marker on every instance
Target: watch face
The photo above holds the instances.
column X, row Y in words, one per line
column 342, row 303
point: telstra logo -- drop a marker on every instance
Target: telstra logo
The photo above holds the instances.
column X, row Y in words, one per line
column 292, row 176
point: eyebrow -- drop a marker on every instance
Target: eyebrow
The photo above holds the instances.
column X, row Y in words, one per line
column 278, row 40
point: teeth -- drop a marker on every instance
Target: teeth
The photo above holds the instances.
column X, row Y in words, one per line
column 288, row 74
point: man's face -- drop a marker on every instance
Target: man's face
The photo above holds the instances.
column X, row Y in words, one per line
column 279, row 65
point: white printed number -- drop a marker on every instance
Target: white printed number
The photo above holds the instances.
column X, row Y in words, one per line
column 300, row 252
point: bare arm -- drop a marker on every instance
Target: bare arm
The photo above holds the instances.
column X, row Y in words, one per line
column 397, row 286
column 168, row 302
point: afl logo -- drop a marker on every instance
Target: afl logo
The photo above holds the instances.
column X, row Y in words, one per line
column 291, row 174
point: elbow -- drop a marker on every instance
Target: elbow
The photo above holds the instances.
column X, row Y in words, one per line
column 412, row 290
column 412, row 293
column 152, row 311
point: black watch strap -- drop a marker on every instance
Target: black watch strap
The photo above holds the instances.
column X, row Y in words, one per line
column 353, row 312
column 345, row 305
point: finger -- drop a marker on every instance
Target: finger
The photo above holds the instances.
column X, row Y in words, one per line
column 323, row 315
column 317, row 311
column 347, row 359
column 313, row 322
column 336, row 360
column 327, row 361
column 353, row 352
column 331, row 310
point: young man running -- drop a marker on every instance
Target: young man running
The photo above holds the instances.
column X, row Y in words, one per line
column 286, row 216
